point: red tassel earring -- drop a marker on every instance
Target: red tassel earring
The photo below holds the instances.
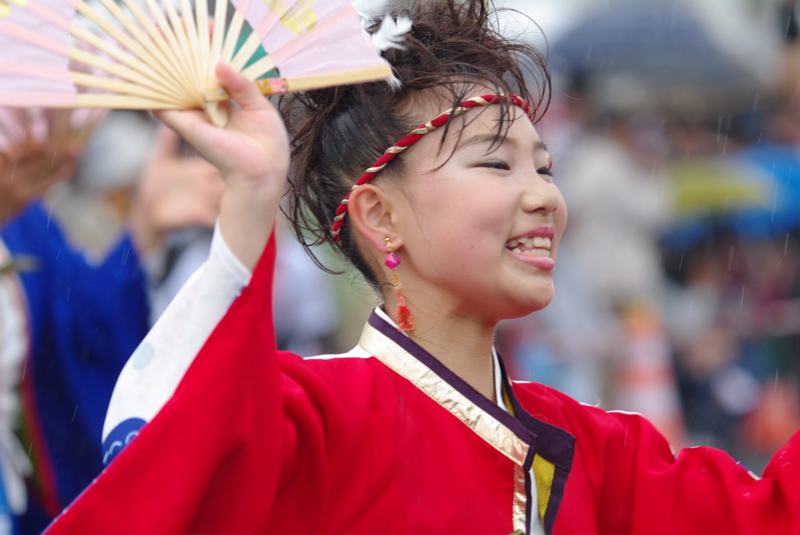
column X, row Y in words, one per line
column 402, row 314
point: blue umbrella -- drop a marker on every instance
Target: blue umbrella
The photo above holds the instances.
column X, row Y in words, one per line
column 776, row 168
column 780, row 170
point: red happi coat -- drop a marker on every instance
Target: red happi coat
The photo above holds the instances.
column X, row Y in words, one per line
column 385, row 439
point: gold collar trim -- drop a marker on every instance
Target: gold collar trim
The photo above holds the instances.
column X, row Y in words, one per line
column 474, row 417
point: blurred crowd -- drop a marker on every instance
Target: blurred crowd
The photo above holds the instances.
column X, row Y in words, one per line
column 678, row 280
column 679, row 275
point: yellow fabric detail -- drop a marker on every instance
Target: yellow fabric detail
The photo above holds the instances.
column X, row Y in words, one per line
column 543, row 471
column 507, row 401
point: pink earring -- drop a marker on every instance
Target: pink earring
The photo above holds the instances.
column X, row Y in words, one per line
column 402, row 314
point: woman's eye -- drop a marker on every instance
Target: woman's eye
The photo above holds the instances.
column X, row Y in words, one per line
column 545, row 170
column 496, row 164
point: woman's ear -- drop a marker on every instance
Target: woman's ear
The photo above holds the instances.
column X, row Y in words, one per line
column 371, row 212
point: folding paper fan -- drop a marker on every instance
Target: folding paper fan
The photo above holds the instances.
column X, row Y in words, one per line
column 22, row 129
column 39, row 148
column 154, row 54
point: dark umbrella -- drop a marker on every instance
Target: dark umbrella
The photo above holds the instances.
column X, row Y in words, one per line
column 660, row 46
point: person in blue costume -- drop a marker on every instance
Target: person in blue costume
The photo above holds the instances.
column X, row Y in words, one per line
column 85, row 320
column 87, row 310
column 81, row 320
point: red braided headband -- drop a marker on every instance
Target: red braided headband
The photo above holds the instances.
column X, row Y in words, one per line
column 414, row 136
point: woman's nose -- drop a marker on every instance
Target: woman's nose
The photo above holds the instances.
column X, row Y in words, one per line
column 541, row 195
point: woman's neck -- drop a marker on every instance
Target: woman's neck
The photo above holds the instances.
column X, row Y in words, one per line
column 462, row 345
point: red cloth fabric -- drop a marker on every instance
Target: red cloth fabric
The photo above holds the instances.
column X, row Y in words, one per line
column 259, row 441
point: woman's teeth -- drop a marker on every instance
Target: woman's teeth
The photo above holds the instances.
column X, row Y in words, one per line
column 533, row 246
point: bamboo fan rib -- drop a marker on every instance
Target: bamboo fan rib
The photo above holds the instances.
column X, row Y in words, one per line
column 161, row 54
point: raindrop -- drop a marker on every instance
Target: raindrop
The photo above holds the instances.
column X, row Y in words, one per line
column 680, row 265
column 774, row 207
column 741, row 301
column 786, row 246
column 53, row 160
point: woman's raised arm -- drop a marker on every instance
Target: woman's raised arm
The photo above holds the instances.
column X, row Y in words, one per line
column 251, row 152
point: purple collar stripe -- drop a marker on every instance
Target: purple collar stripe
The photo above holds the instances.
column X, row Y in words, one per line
column 431, row 362
column 551, row 443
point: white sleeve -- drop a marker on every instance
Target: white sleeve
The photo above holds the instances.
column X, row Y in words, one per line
column 153, row 372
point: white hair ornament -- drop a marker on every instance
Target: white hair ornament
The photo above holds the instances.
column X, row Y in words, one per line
column 390, row 33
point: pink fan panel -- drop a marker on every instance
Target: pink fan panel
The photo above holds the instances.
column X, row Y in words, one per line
column 338, row 44
column 35, row 43
column 274, row 35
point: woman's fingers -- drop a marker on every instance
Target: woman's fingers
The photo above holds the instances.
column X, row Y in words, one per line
column 191, row 123
column 184, row 122
column 242, row 90
column 252, row 149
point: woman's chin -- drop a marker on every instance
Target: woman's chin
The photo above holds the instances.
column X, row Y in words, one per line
column 529, row 306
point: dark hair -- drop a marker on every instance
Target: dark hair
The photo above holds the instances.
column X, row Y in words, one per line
column 337, row 133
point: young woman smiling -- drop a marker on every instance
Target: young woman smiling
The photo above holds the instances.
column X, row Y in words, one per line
column 440, row 194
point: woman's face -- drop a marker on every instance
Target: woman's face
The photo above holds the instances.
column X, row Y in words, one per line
column 480, row 223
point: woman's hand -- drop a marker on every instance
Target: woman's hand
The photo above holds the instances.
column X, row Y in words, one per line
column 252, row 154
